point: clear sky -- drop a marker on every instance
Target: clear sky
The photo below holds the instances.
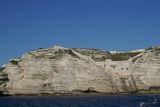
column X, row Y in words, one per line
column 105, row 24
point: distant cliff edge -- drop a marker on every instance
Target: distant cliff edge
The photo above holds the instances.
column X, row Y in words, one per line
column 79, row 70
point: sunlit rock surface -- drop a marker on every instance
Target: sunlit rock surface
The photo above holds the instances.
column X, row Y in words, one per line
column 63, row 70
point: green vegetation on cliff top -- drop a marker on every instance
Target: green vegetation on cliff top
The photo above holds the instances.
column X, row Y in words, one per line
column 99, row 55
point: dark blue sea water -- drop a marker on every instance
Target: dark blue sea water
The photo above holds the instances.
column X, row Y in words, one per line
column 82, row 101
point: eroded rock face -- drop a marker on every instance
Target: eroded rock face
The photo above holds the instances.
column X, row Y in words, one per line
column 147, row 69
column 62, row 70
column 55, row 70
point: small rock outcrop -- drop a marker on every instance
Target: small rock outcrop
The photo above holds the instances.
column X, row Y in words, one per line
column 64, row 70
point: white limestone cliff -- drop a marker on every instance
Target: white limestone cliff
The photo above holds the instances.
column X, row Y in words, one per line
column 64, row 70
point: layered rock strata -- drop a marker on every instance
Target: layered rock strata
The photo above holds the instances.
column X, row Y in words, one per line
column 63, row 70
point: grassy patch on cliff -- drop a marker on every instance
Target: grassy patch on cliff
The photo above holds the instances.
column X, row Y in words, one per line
column 99, row 55
column 90, row 51
column 14, row 62
column 1, row 69
column 123, row 56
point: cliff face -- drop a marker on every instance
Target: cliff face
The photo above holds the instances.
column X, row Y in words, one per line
column 62, row 70
column 147, row 69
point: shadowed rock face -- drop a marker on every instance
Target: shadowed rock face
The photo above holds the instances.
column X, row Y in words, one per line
column 62, row 70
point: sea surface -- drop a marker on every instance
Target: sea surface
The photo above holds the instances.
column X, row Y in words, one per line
column 83, row 101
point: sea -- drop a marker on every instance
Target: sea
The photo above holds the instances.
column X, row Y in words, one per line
column 82, row 101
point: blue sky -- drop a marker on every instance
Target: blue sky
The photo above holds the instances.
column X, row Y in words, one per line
column 105, row 24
